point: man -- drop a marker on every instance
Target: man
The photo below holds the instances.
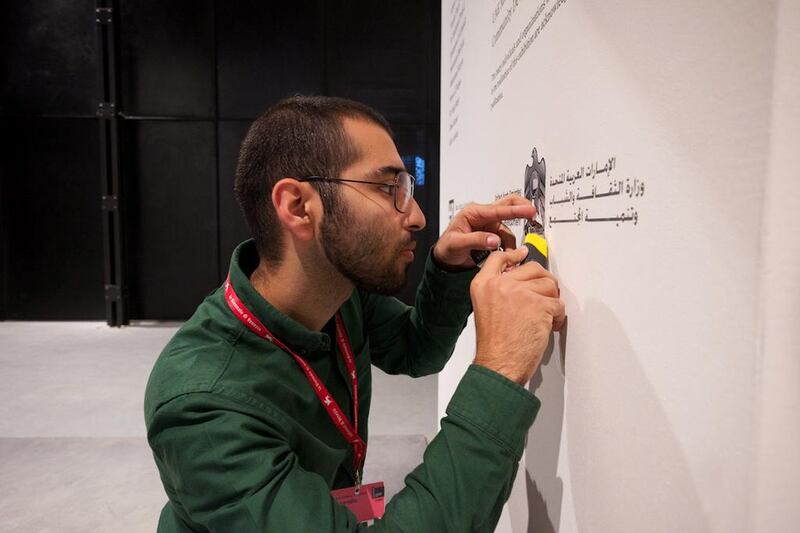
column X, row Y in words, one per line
column 250, row 407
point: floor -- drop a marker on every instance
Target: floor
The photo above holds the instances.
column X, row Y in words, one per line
column 73, row 453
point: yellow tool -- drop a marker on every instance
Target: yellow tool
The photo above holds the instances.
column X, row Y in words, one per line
column 534, row 242
column 537, row 248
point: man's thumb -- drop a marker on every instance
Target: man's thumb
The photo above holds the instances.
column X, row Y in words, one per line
column 497, row 262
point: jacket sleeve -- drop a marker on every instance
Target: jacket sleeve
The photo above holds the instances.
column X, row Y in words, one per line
column 232, row 471
column 418, row 340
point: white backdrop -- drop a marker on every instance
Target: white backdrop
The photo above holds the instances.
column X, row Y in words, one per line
column 667, row 131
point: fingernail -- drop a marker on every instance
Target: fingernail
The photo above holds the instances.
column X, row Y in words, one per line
column 492, row 241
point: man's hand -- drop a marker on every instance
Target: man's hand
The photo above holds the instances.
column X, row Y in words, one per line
column 515, row 310
column 480, row 227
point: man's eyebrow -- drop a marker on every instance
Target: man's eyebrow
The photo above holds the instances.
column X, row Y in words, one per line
column 386, row 170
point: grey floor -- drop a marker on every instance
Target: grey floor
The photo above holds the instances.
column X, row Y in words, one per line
column 73, row 454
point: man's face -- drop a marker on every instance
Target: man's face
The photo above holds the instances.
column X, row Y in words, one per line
column 369, row 241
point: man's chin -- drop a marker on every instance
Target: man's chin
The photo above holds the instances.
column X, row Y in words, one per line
column 387, row 286
column 385, row 289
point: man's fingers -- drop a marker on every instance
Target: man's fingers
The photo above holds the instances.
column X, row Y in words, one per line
column 530, row 271
column 559, row 313
column 480, row 216
column 543, row 286
column 507, row 238
column 497, row 262
column 513, row 199
column 476, row 240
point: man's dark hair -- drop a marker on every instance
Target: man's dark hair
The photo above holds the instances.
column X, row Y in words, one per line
column 298, row 137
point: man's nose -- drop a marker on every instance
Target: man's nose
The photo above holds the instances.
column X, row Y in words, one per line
column 415, row 219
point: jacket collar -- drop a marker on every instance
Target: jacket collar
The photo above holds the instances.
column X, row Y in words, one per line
column 244, row 261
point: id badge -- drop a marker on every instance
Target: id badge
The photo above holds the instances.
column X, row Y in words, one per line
column 366, row 505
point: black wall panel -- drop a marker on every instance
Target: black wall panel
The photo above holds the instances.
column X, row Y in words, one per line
column 55, row 258
column 381, row 53
column 167, row 58
column 232, row 226
column 48, row 55
column 267, row 51
column 192, row 76
column 170, row 177
column 4, row 221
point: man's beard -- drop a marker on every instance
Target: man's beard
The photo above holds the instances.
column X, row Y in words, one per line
column 361, row 255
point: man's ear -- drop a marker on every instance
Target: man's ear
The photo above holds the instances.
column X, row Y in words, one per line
column 292, row 202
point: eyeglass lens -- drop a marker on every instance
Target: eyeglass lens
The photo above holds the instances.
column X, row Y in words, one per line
column 404, row 191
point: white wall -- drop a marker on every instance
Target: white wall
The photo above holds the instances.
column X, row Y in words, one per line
column 663, row 400
column 778, row 446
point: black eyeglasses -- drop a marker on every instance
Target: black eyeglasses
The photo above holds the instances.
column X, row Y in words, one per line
column 402, row 187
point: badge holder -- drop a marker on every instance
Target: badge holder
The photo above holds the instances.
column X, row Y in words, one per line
column 364, row 501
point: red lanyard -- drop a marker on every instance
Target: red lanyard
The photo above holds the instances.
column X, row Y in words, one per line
column 350, row 432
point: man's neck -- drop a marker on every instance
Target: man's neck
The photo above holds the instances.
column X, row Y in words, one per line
column 307, row 295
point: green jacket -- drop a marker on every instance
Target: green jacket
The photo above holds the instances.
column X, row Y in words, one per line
column 243, row 444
